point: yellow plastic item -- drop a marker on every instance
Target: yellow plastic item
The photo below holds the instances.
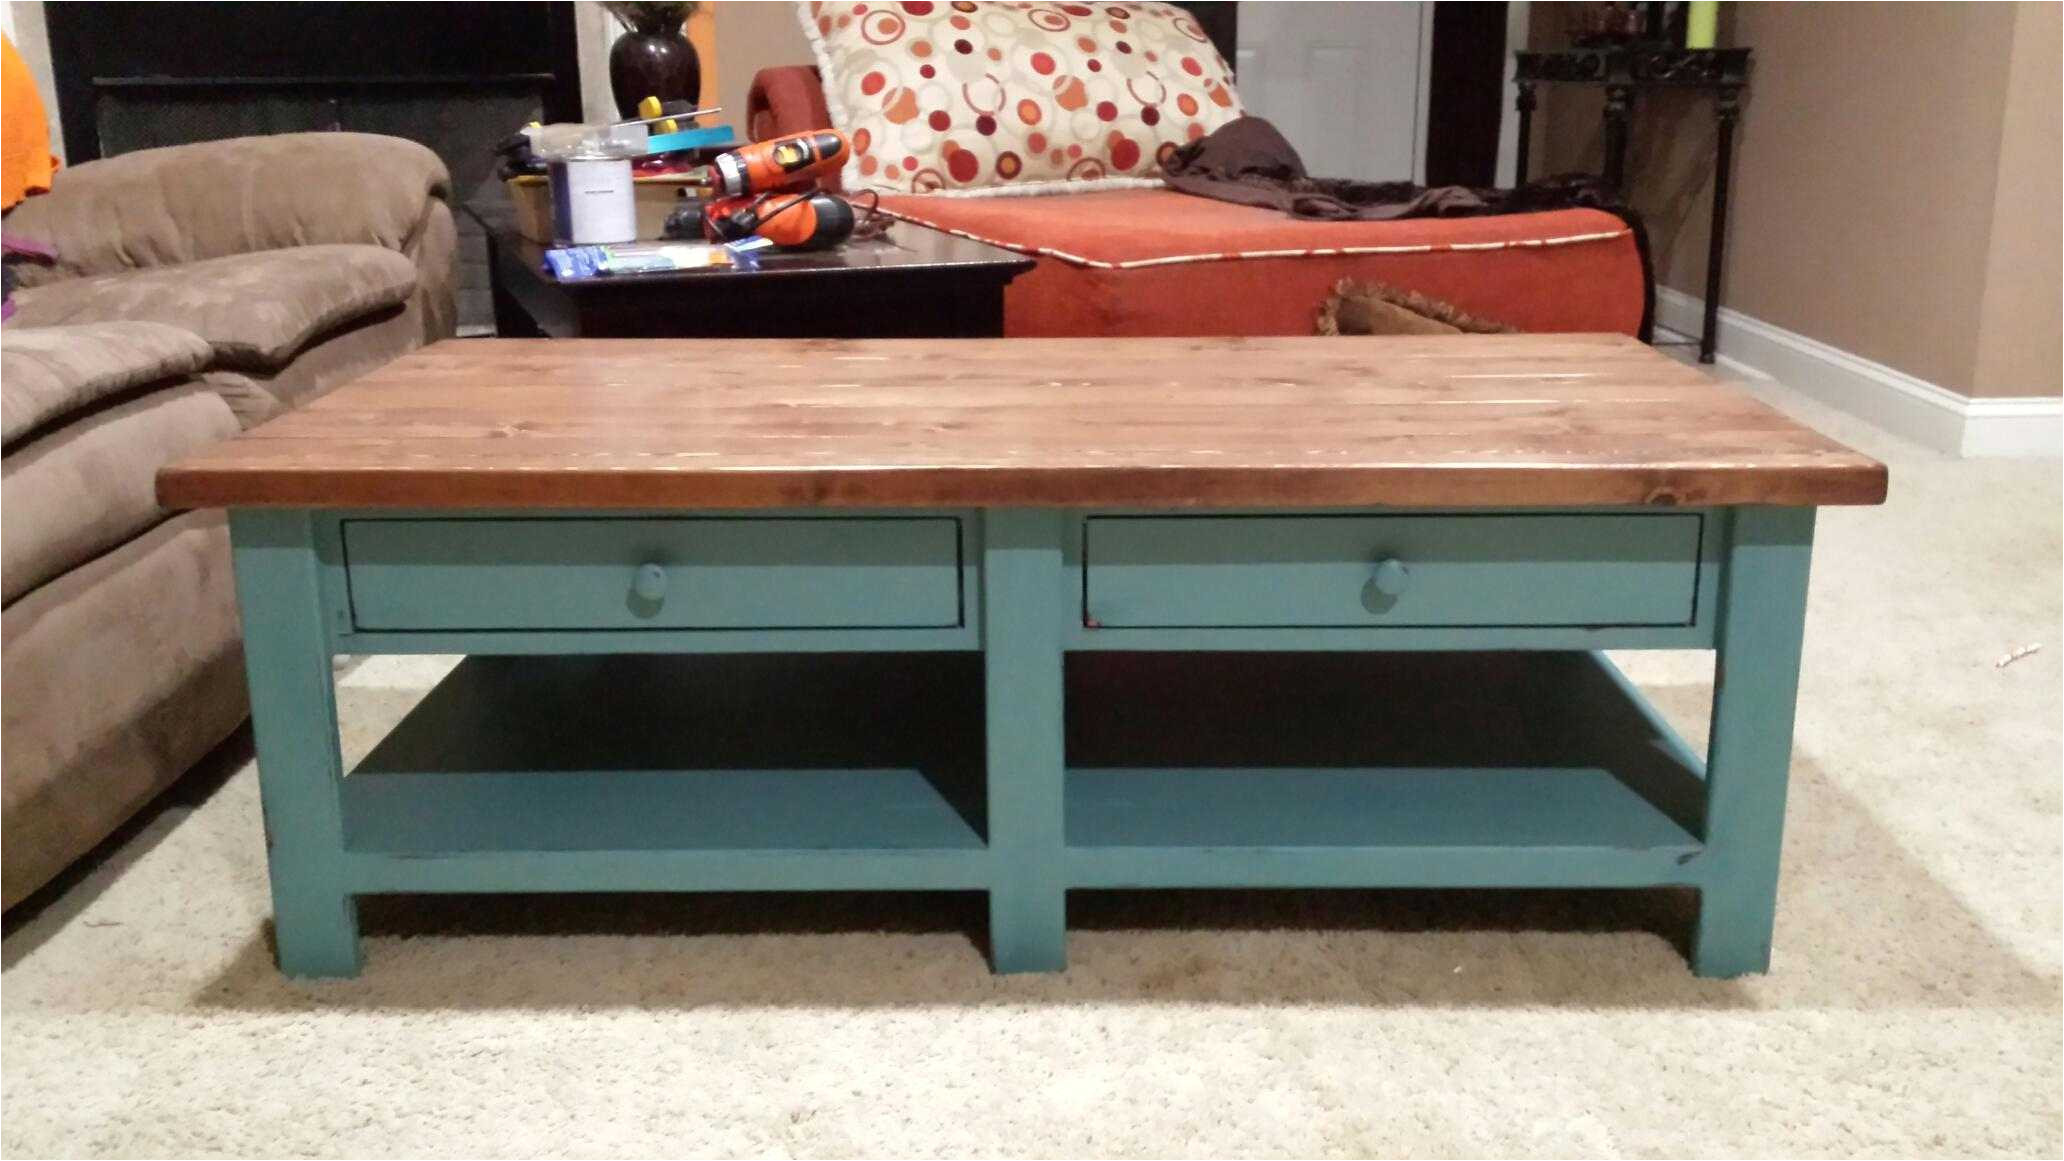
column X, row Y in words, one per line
column 651, row 107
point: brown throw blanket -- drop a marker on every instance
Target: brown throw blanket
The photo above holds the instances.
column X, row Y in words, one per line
column 1248, row 162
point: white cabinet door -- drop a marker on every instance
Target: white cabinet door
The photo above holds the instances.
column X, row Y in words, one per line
column 1345, row 82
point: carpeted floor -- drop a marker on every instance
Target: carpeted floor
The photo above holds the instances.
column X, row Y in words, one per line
column 1913, row 1009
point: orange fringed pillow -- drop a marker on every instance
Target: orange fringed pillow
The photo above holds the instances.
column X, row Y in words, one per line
column 991, row 98
column 25, row 161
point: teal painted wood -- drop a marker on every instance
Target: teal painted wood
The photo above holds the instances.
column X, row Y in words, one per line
column 1600, row 712
column 687, row 773
column 1491, row 571
column 523, row 872
column 674, row 573
column 528, row 642
column 631, row 753
column 637, row 770
column 294, row 720
column 1023, row 608
column 1379, row 769
column 1748, row 761
column 1084, row 638
column 1523, row 809
column 1404, row 866
column 646, row 810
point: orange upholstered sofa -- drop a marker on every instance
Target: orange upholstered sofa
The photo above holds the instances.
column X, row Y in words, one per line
column 1157, row 262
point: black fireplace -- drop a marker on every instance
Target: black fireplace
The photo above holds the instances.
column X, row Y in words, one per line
column 455, row 76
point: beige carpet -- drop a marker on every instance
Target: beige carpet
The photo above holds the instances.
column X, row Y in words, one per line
column 1914, row 1008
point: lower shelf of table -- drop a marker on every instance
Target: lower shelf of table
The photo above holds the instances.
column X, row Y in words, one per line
column 1364, row 827
column 801, row 772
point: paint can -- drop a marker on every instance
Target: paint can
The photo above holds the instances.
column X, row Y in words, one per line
column 592, row 200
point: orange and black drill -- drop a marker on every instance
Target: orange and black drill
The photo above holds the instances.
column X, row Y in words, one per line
column 782, row 163
column 770, row 189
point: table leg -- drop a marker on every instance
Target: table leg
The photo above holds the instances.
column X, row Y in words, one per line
column 1716, row 237
column 978, row 313
column 294, row 718
column 1022, row 615
column 1755, row 687
column 1525, row 106
column 1619, row 110
column 511, row 320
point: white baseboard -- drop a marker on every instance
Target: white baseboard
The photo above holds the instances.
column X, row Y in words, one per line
column 1914, row 408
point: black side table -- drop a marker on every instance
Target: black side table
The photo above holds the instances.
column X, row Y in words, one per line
column 912, row 283
column 1624, row 70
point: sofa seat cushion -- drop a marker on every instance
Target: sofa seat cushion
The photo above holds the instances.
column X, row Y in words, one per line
column 255, row 310
column 1207, row 267
column 49, row 372
column 331, row 360
column 120, row 675
column 82, row 488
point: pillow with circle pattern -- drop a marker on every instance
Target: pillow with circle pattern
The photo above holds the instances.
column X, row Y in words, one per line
column 974, row 99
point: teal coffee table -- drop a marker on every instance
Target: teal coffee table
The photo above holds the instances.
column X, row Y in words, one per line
column 1020, row 617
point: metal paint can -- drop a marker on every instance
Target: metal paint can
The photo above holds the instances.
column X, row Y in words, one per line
column 592, row 200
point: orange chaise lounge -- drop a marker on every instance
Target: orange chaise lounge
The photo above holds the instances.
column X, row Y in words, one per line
column 1157, row 262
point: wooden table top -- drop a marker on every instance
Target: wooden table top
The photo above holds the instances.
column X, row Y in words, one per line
column 1494, row 420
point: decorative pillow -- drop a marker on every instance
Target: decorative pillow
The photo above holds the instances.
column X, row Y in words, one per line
column 997, row 98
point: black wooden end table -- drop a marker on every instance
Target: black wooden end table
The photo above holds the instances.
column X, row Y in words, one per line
column 1623, row 70
column 912, row 283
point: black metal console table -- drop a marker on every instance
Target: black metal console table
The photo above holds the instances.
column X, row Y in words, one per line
column 1623, row 70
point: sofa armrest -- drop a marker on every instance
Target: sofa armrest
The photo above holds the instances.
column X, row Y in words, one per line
column 785, row 100
column 184, row 203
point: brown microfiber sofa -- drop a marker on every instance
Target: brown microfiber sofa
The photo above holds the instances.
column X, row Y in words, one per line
column 196, row 291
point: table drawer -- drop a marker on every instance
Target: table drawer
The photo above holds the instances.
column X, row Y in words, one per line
column 1391, row 571
column 664, row 573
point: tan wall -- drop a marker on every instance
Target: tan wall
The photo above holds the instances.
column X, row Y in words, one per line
column 752, row 36
column 2018, row 341
column 1869, row 156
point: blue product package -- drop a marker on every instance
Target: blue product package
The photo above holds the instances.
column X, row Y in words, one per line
column 573, row 262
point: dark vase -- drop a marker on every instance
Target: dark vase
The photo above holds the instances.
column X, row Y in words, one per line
column 653, row 60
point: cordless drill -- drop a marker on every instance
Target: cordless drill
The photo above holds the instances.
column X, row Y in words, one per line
column 800, row 220
column 783, row 163
column 769, row 189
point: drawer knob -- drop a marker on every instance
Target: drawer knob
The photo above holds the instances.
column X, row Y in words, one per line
column 1392, row 578
column 650, row 583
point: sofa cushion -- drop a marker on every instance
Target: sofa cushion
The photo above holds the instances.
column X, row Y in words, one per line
column 1002, row 98
column 86, row 486
column 120, row 675
column 186, row 203
column 255, row 310
column 331, row 360
column 49, row 372
column 1215, row 268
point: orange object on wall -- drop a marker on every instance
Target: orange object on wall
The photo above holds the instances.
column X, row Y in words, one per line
column 25, row 161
